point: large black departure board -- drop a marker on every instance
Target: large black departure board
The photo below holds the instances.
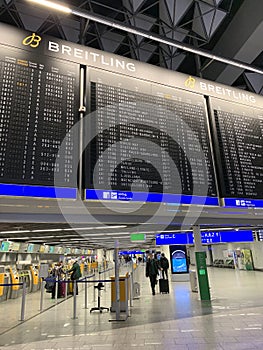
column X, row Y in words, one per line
column 238, row 132
column 38, row 105
column 168, row 145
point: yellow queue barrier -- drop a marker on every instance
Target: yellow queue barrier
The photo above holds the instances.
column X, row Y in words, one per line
column 122, row 284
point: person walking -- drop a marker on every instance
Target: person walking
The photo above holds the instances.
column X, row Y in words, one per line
column 164, row 264
column 152, row 271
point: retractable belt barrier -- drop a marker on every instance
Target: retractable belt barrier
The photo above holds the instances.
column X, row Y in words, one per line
column 75, row 282
column 23, row 301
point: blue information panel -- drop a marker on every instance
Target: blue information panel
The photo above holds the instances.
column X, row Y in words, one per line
column 37, row 191
column 149, row 197
column 131, row 252
column 208, row 237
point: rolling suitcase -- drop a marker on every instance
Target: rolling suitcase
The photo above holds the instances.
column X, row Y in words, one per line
column 163, row 286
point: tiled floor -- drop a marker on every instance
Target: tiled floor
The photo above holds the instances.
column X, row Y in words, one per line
column 179, row 320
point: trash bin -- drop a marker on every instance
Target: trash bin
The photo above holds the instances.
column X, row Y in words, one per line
column 193, row 281
column 123, row 299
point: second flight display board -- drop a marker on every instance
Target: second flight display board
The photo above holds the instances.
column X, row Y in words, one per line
column 154, row 142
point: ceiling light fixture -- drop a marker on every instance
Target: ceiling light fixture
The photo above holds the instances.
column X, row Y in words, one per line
column 158, row 38
column 48, row 230
column 52, row 5
column 17, row 231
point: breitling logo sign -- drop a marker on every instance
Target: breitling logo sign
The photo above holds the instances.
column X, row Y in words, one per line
column 32, row 40
column 190, row 82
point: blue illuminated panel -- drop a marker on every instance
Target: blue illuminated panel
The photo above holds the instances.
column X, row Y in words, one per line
column 243, row 203
column 37, row 191
column 131, row 252
column 149, row 197
column 208, row 237
column 236, row 236
column 172, row 238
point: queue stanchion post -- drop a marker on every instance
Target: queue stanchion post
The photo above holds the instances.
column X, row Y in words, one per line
column 66, row 286
column 42, row 294
column 56, row 289
column 131, row 289
column 104, row 277
column 94, row 289
column 127, row 297
column 74, row 299
column 23, row 303
column 86, row 293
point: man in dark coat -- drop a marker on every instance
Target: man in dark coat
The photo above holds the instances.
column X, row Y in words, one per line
column 164, row 264
column 76, row 274
column 152, row 271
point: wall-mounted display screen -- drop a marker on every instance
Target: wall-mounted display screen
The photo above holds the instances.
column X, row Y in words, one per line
column 5, row 246
column 157, row 143
column 30, row 248
column 38, row 106
column 238, row 135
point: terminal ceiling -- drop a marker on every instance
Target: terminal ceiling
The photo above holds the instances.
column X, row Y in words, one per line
column 229, row 28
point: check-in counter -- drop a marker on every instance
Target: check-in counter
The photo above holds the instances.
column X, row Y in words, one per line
column 14, row 279
column 4, row 279
column 35, row 278
column 25, row 276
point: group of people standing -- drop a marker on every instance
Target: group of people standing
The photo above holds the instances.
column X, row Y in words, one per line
column 58, row 272
column 155, row 267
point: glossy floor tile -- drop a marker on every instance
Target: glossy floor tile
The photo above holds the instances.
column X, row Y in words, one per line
column 231, row 320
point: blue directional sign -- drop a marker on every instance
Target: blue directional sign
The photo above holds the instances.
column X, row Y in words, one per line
column 243, row 203
column 149, row 197
column 208, row 237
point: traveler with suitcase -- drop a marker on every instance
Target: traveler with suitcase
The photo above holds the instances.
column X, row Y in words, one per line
column 152, row 268
column 164, row 264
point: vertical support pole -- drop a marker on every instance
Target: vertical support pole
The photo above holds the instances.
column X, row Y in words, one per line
column 42, row 294
column 86, row 293
column 104, row 277
column 66, row 286
column 74, row 299
column 131, row 290
column 23, row 304
column 201, row 269
column 132, row 282
column 56, row 290
column 127, row 296
column 82, row 110
column 117, row 279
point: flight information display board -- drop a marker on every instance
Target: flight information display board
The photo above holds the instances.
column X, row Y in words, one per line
column 238, row 133
column 167, row 136
column 38, row 106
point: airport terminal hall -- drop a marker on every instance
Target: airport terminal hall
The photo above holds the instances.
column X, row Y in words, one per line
column 131, row 174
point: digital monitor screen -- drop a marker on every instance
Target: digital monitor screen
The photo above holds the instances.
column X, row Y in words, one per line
column 30, row 248
column 149, row 144
column 45, row 91
column 179, row 261
column 5, row 246
column 238, row 131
